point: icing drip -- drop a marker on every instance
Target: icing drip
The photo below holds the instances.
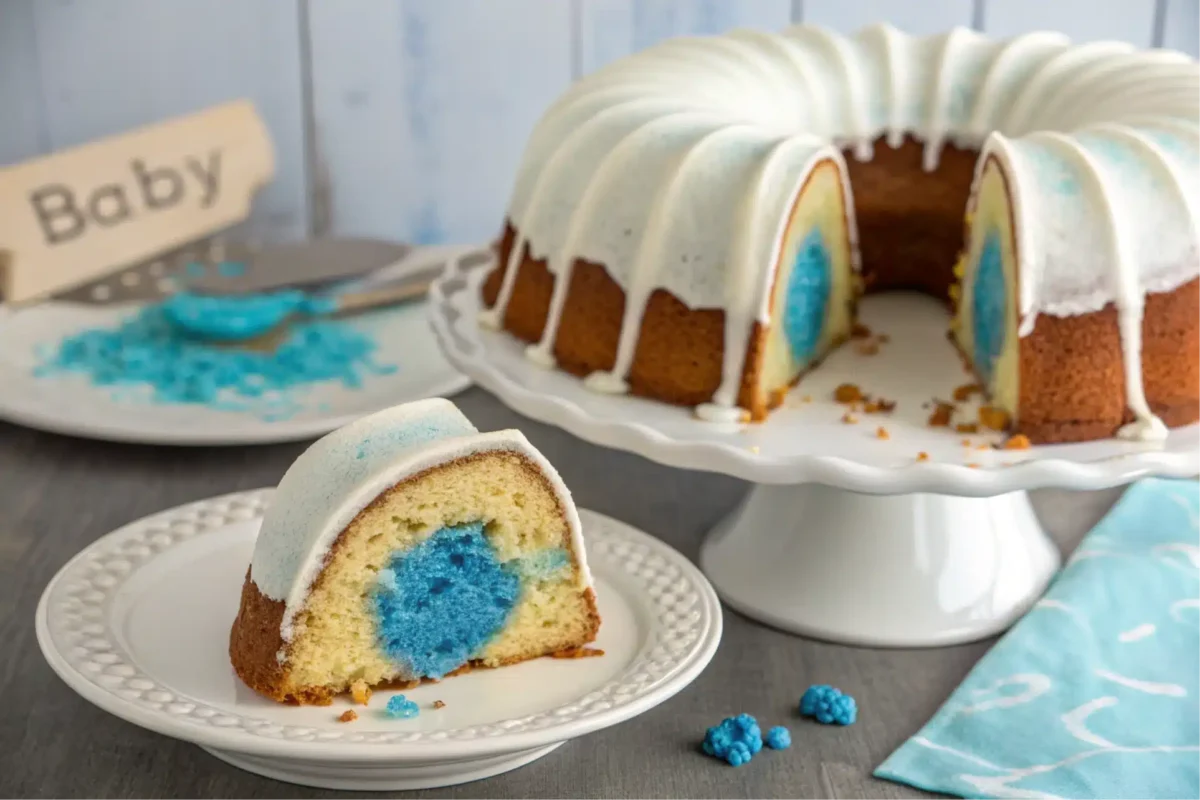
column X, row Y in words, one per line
column 894, row 71
column 492, row 317
column 1124, row 286
column 939, row 124
column 858, row 131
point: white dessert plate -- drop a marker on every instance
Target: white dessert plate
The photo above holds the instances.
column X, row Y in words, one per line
column 71, row 404
column 138, row 624
column 809, row 441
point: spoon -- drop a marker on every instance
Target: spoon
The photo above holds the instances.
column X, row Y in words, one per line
column 245, row 319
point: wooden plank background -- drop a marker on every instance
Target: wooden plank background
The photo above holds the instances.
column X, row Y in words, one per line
column 405, row 119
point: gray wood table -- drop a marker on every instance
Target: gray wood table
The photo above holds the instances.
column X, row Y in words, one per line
column 58, row 494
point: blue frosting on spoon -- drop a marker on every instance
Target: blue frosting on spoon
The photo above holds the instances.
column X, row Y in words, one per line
column 238, row 317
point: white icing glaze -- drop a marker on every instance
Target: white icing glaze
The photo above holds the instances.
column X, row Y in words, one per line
column 1123, row 281
column 342, row 473
column 672, row 168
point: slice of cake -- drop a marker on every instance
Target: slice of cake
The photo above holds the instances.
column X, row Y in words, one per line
column 409, row 546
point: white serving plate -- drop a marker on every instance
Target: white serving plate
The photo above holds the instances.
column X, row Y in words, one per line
column 72, row 405
column 138, row 624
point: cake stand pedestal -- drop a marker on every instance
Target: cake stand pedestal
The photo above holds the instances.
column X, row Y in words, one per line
column 881, row 570
column 848, row 535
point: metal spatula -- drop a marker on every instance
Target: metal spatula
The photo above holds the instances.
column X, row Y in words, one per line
column 226, row 269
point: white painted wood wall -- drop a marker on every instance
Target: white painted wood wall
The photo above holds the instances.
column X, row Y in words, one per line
column 405, row 119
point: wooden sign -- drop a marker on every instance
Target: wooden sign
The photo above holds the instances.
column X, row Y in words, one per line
column 77, row 215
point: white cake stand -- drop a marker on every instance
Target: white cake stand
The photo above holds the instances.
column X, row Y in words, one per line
column 846, row 536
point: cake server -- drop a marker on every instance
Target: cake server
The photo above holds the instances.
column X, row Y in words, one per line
column 219, row 268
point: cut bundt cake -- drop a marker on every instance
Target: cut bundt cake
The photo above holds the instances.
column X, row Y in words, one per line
column 695, row 223
column 408, row 546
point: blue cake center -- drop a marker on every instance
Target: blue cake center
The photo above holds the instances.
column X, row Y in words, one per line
column 440, row 602
column 807, row 296
column 989, row 302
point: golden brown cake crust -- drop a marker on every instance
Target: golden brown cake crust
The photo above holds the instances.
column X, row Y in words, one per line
column 255, row 639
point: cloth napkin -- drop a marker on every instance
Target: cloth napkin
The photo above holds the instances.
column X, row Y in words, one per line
column 1094, row 692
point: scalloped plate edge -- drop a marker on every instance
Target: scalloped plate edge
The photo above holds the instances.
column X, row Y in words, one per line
column 691, row 665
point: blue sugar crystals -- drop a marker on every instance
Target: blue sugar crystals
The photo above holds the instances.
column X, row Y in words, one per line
column 736, row 740
column 828, row 705
column 440, row 602
column 779, row 738
column 147, row 351
column 400, row 707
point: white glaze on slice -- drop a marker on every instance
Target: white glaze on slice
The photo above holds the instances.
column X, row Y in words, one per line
column 345, row 471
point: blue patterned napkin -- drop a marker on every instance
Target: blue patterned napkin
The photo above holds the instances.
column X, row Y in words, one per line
column 1094, row 692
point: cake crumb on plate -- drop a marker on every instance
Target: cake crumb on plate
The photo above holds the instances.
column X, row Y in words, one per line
column 1017, row 442
column 993, row 418
column 966, row 391
column 942, row 412
column 349, row 715
column 361, row 692
column 847, row 393
column 578, row 652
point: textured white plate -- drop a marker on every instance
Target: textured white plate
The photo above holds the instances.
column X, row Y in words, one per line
column 807, row 442
column 138, row 623
column 72, row 405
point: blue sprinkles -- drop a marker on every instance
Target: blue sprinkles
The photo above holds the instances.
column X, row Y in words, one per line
column 779, row 738
column 147, row 351
column 828, row 705
column 400, row 707
column 736, row 740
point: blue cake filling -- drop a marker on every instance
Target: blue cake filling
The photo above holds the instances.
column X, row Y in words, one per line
column 806, row 298
column 989, row 302
column 439, row 603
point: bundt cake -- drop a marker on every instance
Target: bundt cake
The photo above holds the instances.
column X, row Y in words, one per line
column 696, row 222
column 408, row 546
